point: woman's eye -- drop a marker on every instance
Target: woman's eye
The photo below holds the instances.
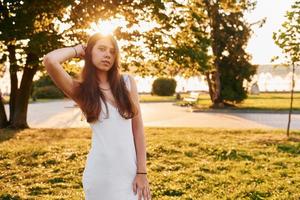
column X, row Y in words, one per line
column 102, row 49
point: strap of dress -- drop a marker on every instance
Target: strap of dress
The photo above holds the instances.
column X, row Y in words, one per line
column 127, row 80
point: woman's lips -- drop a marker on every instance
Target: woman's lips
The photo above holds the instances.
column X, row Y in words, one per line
column 105, row 62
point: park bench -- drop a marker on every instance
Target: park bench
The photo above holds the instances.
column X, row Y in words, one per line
column 192, row 98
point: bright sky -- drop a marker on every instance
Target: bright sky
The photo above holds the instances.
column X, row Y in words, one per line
column 261, row 46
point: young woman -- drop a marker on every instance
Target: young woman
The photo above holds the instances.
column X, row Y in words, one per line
column 116, row 163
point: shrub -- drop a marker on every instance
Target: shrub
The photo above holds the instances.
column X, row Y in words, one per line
column 164, row 86
column 48, row 92
column 43, row 81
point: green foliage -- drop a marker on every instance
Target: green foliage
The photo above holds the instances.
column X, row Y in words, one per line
column 233, row 61
column 178, row 45
column 43, row 81
column 229, row 34
column 72, row 69
column 44, row 88
column 164, row 86
column 288, row 37
column 234, row 73
column 30, row 27
column 48, row 92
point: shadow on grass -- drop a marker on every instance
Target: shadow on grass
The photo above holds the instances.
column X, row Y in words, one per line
column 294, row 138
column 9, row 197
column 271, row 97
column 7, row 134
column 283, row 143
column 289, row 148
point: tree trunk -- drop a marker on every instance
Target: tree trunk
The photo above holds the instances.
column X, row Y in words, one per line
column 217, row 100
column 291, row 104
column 210, row 87
column 13, row 68
column 214, row 15
column 20, row 114
column 3, row 118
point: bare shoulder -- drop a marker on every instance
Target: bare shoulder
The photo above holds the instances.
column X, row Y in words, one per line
column 133, row 86
column 132, row 81
column 131, row 78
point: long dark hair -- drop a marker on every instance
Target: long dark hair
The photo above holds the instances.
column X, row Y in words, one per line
column 88, row 93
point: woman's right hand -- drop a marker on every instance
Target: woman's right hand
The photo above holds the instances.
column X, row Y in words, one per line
column 80, row 49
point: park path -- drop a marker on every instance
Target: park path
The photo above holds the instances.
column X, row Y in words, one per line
column 63, row 114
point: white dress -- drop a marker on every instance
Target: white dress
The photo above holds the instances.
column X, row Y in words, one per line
column 111, row 163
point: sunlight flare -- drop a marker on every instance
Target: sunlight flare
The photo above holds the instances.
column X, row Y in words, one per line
column 106, row 27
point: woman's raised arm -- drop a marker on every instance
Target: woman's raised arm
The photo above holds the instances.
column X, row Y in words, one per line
column 52, row 61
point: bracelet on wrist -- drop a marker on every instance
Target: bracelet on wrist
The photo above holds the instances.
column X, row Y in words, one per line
column 141, row 173
column 75, row 52
column 83, row 47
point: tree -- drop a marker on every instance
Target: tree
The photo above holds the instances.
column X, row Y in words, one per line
column 288, row 39
column 204, row 37
column 27, row 32
column 229, row 34
column 234, row 63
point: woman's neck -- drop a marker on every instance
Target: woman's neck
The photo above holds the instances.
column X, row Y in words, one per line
column 102, row 77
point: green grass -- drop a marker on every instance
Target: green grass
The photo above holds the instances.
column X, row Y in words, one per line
column 183, row 164
column 155, row 98
column 263, row 101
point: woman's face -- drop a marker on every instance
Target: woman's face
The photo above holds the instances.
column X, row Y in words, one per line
column 103, row 54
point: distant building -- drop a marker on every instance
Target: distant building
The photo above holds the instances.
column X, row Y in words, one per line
column 276, row 78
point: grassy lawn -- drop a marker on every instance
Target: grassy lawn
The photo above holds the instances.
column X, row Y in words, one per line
column 263, row 101
column 183, row 164
column 155, row 98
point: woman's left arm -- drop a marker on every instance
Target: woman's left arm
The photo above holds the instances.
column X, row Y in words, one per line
column 140, row 184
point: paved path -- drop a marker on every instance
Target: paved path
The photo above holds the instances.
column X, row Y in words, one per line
column 62, row 114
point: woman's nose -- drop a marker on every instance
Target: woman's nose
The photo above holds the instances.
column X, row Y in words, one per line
column 107, row 54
